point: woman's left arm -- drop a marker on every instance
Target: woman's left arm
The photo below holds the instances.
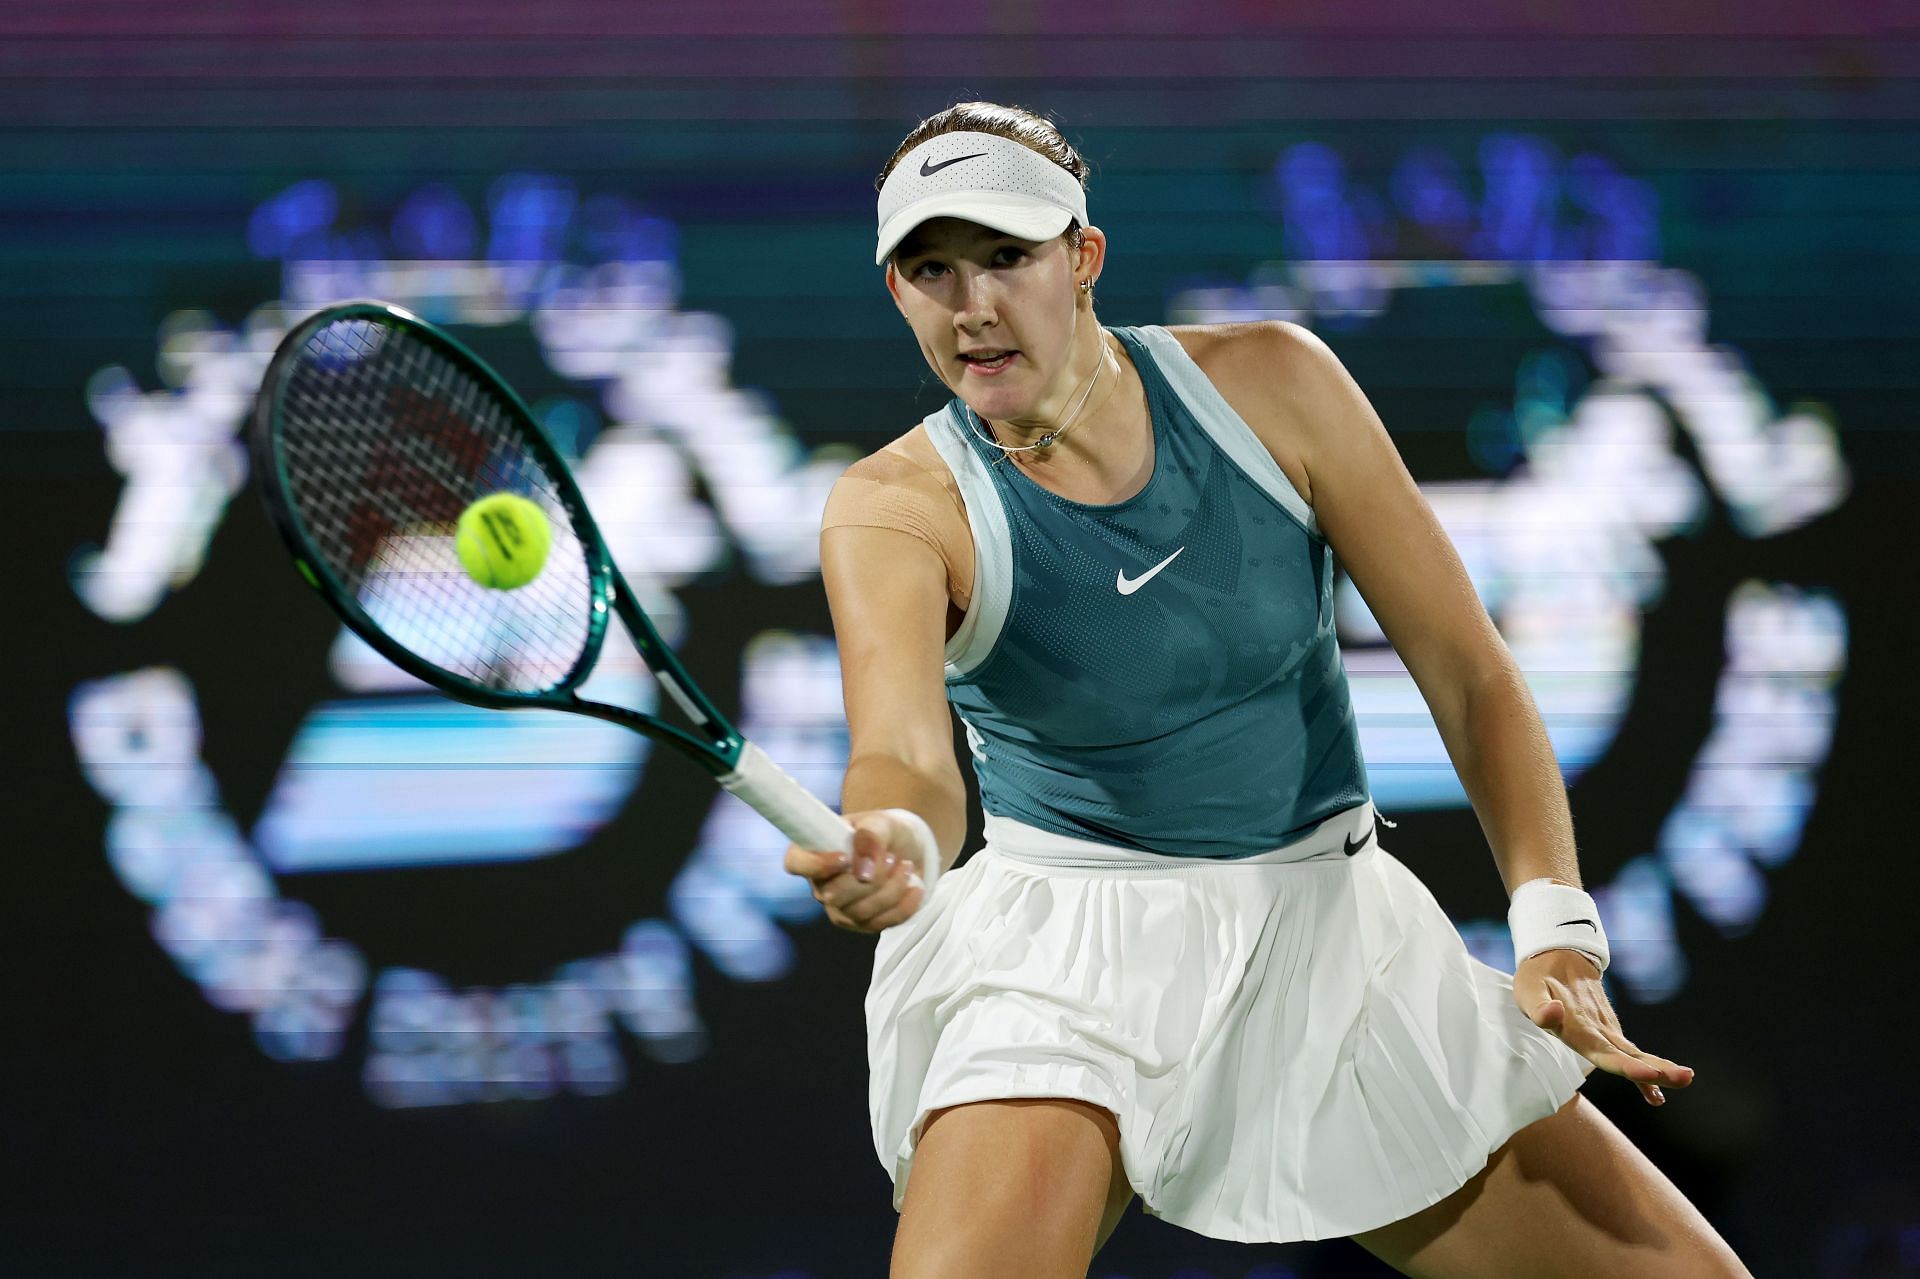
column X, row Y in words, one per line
column 1400, row 559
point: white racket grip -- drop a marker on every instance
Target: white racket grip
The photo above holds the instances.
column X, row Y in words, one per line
column 790, row 806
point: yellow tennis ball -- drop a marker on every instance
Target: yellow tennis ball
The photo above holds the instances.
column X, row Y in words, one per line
column 503, row 540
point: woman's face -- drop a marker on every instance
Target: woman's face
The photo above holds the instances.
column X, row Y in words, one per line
column 994, row 315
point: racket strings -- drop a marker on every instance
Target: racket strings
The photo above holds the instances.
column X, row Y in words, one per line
column 385, row 439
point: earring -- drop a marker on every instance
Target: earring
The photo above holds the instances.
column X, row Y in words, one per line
column 1086, row 286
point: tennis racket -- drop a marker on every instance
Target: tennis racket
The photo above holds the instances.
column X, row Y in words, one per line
column 374, row 430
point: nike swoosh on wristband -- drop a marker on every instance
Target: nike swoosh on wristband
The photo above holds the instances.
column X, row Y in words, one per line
column 928, row 168
column 1126, row 587
column 1588, row 922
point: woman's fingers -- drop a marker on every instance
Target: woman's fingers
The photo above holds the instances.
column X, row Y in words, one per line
column 891, row 896
column 865, row 891
column 812, row 864
column 1613, row 1052
column 1579, row 1014
column 900, row 913
column 1635, row 1071
column 1646, row 1066
column 865, row 860
column 851, row 886
column 1658, row 1071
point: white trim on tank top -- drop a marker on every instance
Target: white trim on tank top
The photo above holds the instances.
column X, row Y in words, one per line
column 1229, row 430
column 992, row 548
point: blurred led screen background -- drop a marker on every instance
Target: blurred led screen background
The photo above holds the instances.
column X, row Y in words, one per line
column 310, row 967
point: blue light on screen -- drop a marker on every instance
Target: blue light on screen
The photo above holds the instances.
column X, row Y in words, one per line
column 419, row 781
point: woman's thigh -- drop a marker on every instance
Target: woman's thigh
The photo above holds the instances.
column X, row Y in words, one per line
column 1568, row 1196
column 1014, row 1187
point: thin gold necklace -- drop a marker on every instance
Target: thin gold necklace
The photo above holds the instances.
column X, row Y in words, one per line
column 1046, row 441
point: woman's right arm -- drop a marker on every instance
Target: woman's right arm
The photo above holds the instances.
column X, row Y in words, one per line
column 888, row 593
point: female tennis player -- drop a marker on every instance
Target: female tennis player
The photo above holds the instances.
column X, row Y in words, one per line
column 1182, row 966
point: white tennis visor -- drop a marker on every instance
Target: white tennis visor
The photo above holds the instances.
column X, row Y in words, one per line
column 983, row 178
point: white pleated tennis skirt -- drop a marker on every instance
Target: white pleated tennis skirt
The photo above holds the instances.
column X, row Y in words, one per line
column 1295, row 1045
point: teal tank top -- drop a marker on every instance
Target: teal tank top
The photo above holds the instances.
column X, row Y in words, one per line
column 1158, row 674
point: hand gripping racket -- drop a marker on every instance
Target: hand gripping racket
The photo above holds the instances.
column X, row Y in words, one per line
column 373, row 432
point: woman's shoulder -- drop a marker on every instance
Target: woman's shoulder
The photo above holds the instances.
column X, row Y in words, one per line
column 906, row 469
column 1269, row 356
column 1277, row 376
column 906, row 486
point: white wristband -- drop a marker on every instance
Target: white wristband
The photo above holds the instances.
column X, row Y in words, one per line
column 926, row 848
column 1549, row 916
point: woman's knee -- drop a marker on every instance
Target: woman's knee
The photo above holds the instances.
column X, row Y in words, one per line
column 1015, row 1186
column 1040, row 1152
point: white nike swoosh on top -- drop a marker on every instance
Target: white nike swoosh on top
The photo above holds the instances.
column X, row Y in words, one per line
column 1128, row 588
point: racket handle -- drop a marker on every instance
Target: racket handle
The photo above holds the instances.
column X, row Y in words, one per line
column 790, row 806
column 802, row 818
